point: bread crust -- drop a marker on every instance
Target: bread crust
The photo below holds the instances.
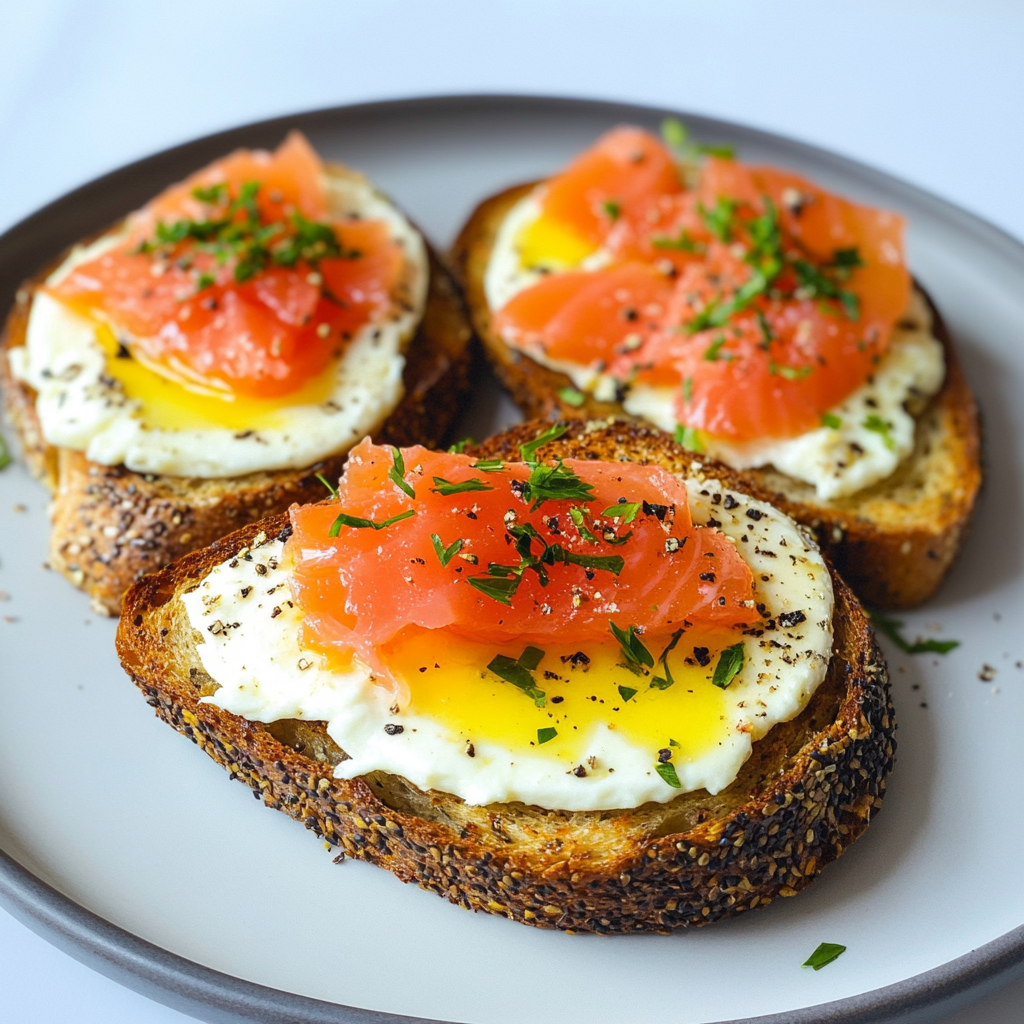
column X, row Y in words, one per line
column 111, row 525
column 809, row 789
column 894, row 542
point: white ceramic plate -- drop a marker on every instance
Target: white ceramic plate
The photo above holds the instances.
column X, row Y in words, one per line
column 123, row 844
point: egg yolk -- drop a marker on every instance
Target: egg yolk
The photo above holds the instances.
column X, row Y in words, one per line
column 581, row 687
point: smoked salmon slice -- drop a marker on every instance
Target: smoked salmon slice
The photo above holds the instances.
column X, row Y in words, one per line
column 761, row 298
column 237, row 279
column 515, row 551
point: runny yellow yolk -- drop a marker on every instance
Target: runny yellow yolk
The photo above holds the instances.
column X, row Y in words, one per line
column 171, row 402
column 448, row 682
column 550, row 243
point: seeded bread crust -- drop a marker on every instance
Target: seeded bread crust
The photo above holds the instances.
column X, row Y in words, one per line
column 110, row 525
column 808, row 791
column 893, row 542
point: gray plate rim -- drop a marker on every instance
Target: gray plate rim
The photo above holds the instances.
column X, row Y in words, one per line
column 220, row 998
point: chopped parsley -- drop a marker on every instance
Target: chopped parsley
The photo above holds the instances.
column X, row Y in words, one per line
column 625, row 510
column 688, row 389
column 233, row 232
column 576, row 514
column 829, row 419
column 344, row 519
column 711, row 352
column 667, row 770
column 730, row 663
column 789, row 372
column 720, row 218
column 824, row 955
column 633, row 648
column 891, row 628
column 612, row 209
column 330, row 487
column 877, row 425
column 554, row 483
column 627, row 693
column 689, row 438
column 445, row 554
column 460, row 446
column 5, row 455
column 676, row 136
column 664, row 682
column 397, row 473
column 572, row 397
column 529, row 450
column 543, row 735
column 501, row 589
column 683, row 242
column 519, row 672
column 446, row 488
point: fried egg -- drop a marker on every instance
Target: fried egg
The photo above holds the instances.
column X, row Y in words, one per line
column 604, row 734
column 862, row 440
column 94, row 396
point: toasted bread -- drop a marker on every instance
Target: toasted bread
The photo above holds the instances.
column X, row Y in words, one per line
column 893, row 542
column 809, row 789
column 110, row 525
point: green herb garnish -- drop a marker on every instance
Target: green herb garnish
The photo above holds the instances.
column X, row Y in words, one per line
column 529, row 450
column 683, row 242
column 789, row 372
column 877, row 425
column 572, row 397
column 719, row 219
column 576, row 514
column 397, row 473
column 460, row 446
column 554, row 483
column 446, row 488
column 612, row 209
column 824, row 955
column 667, row 770
column 689, row 438
column 730, row 663
column 499, row 589
column 233, row 232
column 688, row 390
column 543, row 735
column 627, row 693
column 829, row 419
column 891, row 628
column 488, row 465
column 625, row 510
column 445, row 554
column 711, row 352
column 664, row 682
column 674, row 133
column 330, row 487
column 520, row 673
column 5, row 454
column 632, row 646
column 344, row 519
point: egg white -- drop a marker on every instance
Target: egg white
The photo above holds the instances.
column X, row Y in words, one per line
column 81, row 407
column 251, row 648
column 836, row 461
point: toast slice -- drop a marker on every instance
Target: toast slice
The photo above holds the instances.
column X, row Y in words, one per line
column 809, row 789
column 110, row 524
column 893, row 542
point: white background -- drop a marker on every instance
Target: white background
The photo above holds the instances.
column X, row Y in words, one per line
column 931, row 92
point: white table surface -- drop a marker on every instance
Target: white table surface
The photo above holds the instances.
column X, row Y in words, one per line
column 929, row 91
